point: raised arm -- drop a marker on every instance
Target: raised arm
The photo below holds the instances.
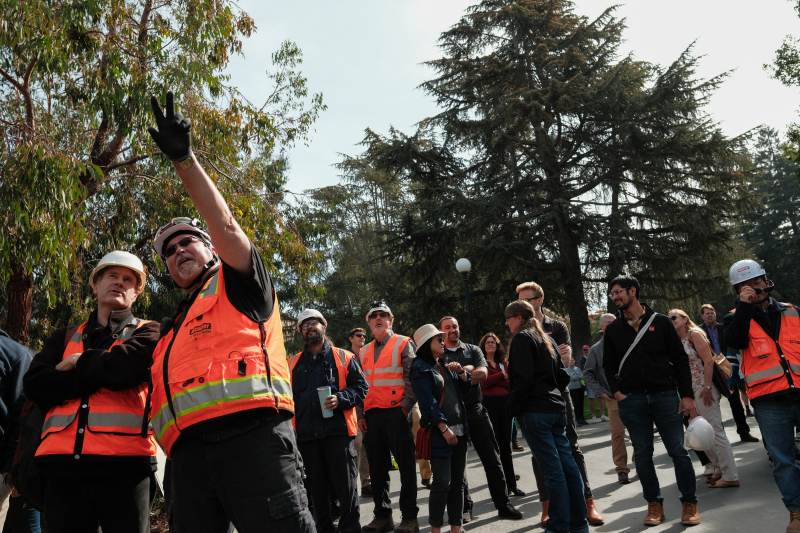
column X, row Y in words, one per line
column 173, row 137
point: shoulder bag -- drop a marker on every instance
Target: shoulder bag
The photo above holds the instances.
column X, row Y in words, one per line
column 718, row 377
column 639, row 336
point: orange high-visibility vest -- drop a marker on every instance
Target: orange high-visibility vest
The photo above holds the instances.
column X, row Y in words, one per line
column 219, row 362
column 770, row 366
column 342, row 361
column 107, row 423
column 385, row 378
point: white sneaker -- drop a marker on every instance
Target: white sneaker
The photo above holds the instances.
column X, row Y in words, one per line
column 709, row 470
column 594, row 419
column 604, row 418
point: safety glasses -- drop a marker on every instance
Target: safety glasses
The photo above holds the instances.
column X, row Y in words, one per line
column 170, row 250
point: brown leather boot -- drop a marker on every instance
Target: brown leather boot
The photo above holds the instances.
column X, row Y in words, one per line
column 516, row 447
column 545, row 516
column 379, row 524
column 655, row 514
column 592, row 514
column 690, row 515
column 794, row 524
column 407, row 525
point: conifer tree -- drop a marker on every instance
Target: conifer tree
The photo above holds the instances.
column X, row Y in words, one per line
column 558, row 160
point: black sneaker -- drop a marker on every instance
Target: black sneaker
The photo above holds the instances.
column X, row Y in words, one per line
column 622, row 478
column 747, row 437
column 509, row 512
column 467, row 516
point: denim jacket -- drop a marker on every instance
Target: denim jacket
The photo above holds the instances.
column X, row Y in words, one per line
column 428, row 395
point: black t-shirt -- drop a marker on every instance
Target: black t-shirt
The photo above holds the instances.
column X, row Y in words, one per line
column 254, row 298
column 468, row 354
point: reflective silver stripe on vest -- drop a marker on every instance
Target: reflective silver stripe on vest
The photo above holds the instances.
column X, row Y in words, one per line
column 61, row 421
column 795, row 368
column 389, row 370
column 790, row 312
column 211, row 289
column 763, row 374
column 77, row 336
column 126, row 420
column 397, row 349
column 342, row 357
column 388, row 383
column 127, row 333
column 367, row 371
column 217, row 393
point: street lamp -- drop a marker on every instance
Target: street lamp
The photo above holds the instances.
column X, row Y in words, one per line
column 464, row 266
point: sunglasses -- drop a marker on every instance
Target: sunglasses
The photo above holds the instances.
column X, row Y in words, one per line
column 379, row 315
column 674, row 318
column 359, row 335
column 759, row 291
column 441, row 340
column 305, row 325
column 183, row 243
column 529, row 299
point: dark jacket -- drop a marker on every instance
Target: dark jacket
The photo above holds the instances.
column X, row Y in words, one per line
column 657, row 363
column 428, row 395
column 737, row 330
column 14, row 362
column 120, row 368
column 310, row 374
column 532, row 376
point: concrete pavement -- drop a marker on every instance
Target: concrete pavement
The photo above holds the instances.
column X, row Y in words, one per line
column 756, row 506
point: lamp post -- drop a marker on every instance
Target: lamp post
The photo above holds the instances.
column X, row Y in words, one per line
column 464, row 266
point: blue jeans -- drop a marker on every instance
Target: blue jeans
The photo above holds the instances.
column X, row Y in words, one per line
column 639, row 411
column 546, row 435
column 777, row 418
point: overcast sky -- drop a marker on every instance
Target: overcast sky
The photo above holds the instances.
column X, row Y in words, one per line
column 366, row 58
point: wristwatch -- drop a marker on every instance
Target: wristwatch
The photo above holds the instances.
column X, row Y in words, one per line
column 444, row 430
column 707, row 387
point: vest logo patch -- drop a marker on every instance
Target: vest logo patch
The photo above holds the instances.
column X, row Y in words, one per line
column 200, row 330
column 763, row 356
column 795, row 342
column 651, row 328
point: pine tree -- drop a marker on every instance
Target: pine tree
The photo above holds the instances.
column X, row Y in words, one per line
column 556, row 160
column 773, row 228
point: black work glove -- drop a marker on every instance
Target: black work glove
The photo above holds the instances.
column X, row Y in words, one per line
column 173, row 135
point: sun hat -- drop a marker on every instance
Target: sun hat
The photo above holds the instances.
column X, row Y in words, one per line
column 423, row 334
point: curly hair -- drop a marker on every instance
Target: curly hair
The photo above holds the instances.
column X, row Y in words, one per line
column 500, row 355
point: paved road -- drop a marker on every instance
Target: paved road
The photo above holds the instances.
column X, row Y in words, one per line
column 754, row 507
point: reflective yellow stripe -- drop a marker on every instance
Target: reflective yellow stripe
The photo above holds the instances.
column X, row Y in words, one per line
column 211, row 287
column 218, row 392
column 763, row 374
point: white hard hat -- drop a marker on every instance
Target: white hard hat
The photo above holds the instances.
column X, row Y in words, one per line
column 310, row 313
column 378, row 306
column 424, row 333
column 178, row 225
column 744, row 270
column 699, row 435
column 121, row 259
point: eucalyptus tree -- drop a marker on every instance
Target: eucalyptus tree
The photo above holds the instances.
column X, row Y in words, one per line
column 78, row 175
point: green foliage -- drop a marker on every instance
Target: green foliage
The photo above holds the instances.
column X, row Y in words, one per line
column 555, row 159
column 80, row 176
column 772, row 226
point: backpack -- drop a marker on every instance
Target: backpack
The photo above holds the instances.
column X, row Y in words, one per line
column 25, row 473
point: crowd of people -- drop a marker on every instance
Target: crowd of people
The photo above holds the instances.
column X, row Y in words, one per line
column 258, row 439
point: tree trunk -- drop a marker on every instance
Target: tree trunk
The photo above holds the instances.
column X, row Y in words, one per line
column 20, row 304
column 571, row 279
column 614, row 235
